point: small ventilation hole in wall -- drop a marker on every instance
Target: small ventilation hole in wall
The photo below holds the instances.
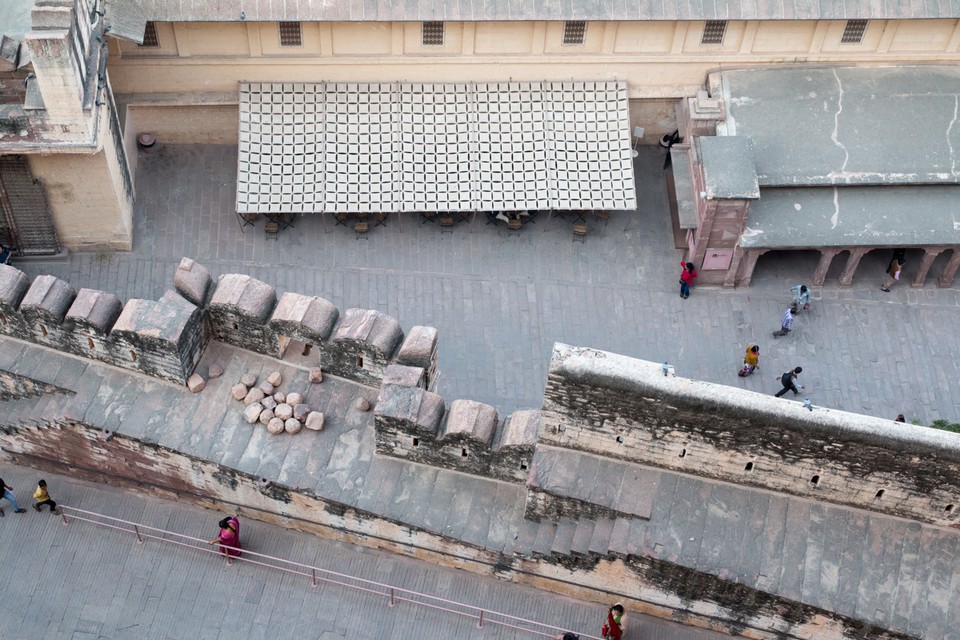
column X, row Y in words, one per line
column 359, row 362
column 236, row 327
column 620, row 439
column 416, row 442
column 306, row 349
column 3, row 319
column 133, row 355
column 948, row 508
column 683, row 453
column 43, row 330
column 880, row 493
column 523, row 465
column 463, row 452
column 748, row 466
column 815, row 481
column 90, row 343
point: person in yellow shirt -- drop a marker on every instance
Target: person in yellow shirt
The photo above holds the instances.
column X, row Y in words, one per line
column 43, row 498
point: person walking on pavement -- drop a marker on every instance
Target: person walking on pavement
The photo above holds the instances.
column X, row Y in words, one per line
column 751, row 361
column 788, row 380
column 786, row 322
column 43, row 498
column 687, row 276
column 8, row 494
column 613, row 629
column 801, row 296
column 229, row 537
column 893, row 274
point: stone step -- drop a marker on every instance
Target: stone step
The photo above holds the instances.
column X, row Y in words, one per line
column 638, row 531
column 563, row 539
column 620, row 537
column 544, row 540
column 523, row 545
column 580, row 545
column 600, row 539
column 23, row 410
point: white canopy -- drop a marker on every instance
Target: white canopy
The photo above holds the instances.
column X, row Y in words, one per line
column 341, row 147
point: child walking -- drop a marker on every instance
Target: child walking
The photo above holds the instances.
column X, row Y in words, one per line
column 687, row 276
column 43, row 498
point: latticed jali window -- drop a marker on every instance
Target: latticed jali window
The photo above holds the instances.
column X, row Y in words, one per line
column 150, row 38
column 853, row 32
column 574, row 31
column 290, row 34
column 713, row 32
column 432, row 35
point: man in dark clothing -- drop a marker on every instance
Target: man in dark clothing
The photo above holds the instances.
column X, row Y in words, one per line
column 788, row 382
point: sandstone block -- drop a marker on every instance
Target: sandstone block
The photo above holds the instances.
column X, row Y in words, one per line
column 283, row 411
column 314, row 421
column 292, row 425
column 269, row 403
column 215, row 370
column 294, row 398
column 361, row 404
column 193, row 281
column 316, row 375
column 275, row 379
column 300, row 411
column 254, row 395
column 239, row 391
column 280, row 397
column 196, row 383
column 275, row 426
column 266, row 387
column 266, row 416
column 251, row 412
column 248, row 380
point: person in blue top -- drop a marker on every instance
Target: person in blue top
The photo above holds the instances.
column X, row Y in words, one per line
column 4, row 254
column 801, row 296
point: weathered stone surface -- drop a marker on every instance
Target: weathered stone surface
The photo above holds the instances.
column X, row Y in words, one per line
column 362, row 346
column 419, row 349
column 266, row 387
column 307, row 319
column 266, row 416
column 215, row 370
column 248, row 379
column 13, row 285
column 280, row 397
column 254, row 395
column 283, row 411
column 314, row 421
column 292, row 425
column 50, row 297
column 361, row 404
column 238, row 313
column 269, row 403
column 94, row 310
column 514, row 448
column 196, row 383
column 251, row 413
column 275, row 379
column 470, row 421
column 192, row 280
column 294, row 398
column 275, row 426
column 300, row 411
column 316, row 375
column 239, row 391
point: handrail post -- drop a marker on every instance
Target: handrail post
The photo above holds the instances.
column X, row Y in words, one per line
column 63, row 514
column 392, row 603
column 480, row 620
column 136, row 530
column 313, row 572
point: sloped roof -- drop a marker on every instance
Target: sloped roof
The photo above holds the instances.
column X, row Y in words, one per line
column 471, row 10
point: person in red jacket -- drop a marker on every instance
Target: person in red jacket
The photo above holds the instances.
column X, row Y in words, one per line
column 613, row 629
column 686, row 278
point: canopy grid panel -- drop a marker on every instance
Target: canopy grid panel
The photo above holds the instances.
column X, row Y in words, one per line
column 423, row 147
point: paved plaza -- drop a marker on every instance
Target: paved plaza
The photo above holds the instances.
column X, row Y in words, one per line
column 85, row 582
column 501, row 300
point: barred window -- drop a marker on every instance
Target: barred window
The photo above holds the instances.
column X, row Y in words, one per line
column 853, row 32
column 150, row 38
column 574, row 31
column 432, row 35
column 713, row 32
column 290, row 34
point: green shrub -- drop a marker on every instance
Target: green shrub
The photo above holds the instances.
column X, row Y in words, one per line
column 946, row 426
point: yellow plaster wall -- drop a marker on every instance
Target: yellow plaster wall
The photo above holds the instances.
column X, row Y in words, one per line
column 503, row 38
column 362, row 38
column 644, row 37
column 204, row 124
column 783, row 36
column 269, row 34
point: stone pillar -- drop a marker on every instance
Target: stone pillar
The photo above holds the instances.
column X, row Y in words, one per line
column 846, row 278
column 731, row 278
column 749, row 265
column 929, row 255
column 946, row 278
column 826, row 257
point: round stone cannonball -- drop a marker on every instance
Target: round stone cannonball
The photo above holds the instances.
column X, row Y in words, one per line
column 294, row 399
column 283, row 411
column 280, row 397
column 292, row 425
column 266, row 416
column 248, row 380
column 275, row 426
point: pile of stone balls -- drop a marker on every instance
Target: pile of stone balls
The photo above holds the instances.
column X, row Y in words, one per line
column 276, row 410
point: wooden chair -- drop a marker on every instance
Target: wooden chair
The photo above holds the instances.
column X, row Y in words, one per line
column 380, row 218
column 446, row 223
column 286, row 220
column 341, row 218
column 271, row 229
column 361, row 227
column 246, row 219
column 603, row 215
column 579, row 232
column 514, row 224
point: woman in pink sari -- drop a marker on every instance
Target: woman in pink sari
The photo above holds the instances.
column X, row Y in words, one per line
column 229, row 537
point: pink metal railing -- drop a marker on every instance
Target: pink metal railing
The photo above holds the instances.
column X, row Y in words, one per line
column 317, row 575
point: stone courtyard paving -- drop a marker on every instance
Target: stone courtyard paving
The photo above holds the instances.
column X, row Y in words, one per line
column 501, row 300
